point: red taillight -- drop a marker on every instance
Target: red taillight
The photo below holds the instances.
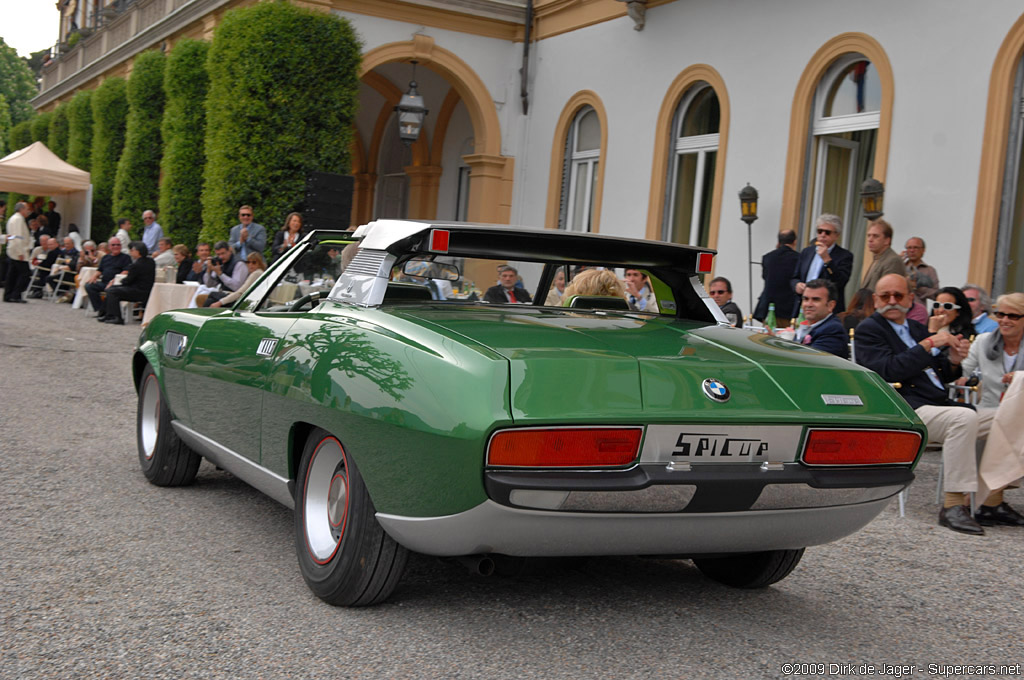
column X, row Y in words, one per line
column 564, row 447
column 704, row 261
column 861, row 447
column 439, row 240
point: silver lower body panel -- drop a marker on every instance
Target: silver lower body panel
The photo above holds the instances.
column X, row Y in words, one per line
column 494, row 528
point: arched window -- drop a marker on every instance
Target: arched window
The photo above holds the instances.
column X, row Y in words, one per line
column 580, row 171
column 692, row 169
column 847, row 110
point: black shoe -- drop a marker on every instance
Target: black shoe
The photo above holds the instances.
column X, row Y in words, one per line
column 18, row 301
column 101, row 318
column 958, row 518
column 114, row 320
column 36, row 295
column 1001, row 514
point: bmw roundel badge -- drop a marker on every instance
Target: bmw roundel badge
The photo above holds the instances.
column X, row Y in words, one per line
column 716, row 390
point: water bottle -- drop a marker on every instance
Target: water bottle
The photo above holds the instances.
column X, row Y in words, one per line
column 769, row 321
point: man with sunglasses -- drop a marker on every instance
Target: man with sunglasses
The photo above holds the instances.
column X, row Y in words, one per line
column 823, row 259
column 247, row 236
column 903, row 351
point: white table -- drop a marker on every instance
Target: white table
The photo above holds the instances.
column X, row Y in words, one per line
column 167, row 296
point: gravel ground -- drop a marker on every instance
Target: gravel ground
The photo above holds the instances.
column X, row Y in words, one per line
column 104, row 575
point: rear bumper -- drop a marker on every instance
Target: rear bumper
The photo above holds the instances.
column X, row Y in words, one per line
column 493, row 528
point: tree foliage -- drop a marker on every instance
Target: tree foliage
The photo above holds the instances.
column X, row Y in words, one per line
column 275, row 114
column 5, row 125
column 80, row 130
column 17, row 84
column 109, row 111
column 184, row 130
column 41, row 127
column 59, row 130
column 138, row 171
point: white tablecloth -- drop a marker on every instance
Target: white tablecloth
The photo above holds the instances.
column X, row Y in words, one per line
column 84, row 275
column 167, row 296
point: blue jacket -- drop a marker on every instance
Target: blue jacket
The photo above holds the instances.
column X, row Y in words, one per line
column 829, row 336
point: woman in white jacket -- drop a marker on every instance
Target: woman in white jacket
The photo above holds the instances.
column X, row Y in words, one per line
column 999, row 354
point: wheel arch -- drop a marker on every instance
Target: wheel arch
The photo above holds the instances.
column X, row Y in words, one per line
column 146, row 354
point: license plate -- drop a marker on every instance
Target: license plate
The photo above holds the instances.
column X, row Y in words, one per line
column 721, row 444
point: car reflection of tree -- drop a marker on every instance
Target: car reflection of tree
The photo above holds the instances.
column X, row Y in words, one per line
column 353, row 354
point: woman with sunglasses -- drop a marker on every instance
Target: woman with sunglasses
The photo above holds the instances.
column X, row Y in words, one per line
column 951, row 313
column 998, row 354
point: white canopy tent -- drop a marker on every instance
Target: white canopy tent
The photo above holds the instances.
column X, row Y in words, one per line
column 38, row 171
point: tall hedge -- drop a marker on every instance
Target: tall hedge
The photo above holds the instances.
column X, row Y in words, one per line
column 41, row 127
column 138, row 171
column 275, row 114
column 58, row 140
column 184, row 132
column 80, row 130
column 5, row 125
column 109, row 111
column 19, row 138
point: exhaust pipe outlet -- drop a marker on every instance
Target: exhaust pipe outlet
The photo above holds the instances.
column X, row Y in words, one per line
column 481, row 565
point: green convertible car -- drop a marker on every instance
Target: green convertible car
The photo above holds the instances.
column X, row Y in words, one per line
column 367, row 383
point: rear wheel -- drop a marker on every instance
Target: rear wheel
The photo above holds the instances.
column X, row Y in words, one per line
column 164, row 458
column 751, row 570
column 345, row 556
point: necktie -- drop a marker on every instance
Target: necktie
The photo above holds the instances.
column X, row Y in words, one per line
column 904, row 333
column 511, row 296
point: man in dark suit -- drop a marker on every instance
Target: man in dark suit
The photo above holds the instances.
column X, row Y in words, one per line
column 506, row 291
column 776, row 270
column 135, row 286
column 824, row 259
column 902, row 350
column 822, row 329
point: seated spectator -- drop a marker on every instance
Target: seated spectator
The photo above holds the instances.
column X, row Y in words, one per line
column 66, row 264
column 980, row 307
column 198, row 272
column 89, row 256
column 103, row 248
column 594, row 282
column 720, row 290
column 1000, row 353
column 861, row 307
column 557, row 293
column 639, row 293
column 905, row 352
column 821, row 328
column 256, row 267
column 44, row 266
column 110, row 265
column 183, row 258
column 164, row 256
column 135, row 286
column 507, row 291
column 951, row 313
column 224, row 273
column 38, row 252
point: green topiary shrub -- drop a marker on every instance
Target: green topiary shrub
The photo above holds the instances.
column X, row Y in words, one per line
column 80, row 130
column 41, row 127
column 20, row 137
column 58, row 140
column 138, row 171
column 109, row 111
column 184, row 133
column 274, row 114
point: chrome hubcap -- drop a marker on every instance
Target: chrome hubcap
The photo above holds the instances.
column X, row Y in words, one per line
column 149, row 427
column 325, row 507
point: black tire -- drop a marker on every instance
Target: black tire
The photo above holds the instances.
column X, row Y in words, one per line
column 751, row 570
column 345, row 556
column 164, row 458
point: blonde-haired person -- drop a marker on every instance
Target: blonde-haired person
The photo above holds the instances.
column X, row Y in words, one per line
column 594, row 282
column 998, row 353
column 257, row 265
